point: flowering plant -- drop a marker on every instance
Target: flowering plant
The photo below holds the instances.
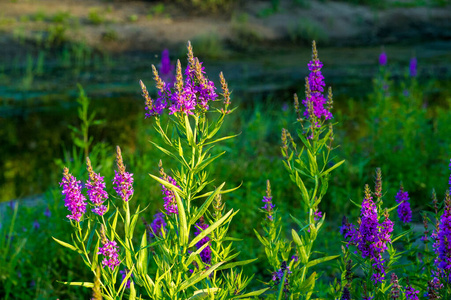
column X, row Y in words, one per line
column 184, row 253
column 309, row 168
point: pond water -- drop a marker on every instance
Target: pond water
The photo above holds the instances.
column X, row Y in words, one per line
column 38, row 92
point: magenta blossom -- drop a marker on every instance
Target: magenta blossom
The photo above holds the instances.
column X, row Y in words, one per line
column 110, row 253
column 74, row 199
column 96, row 191
column 315, row 101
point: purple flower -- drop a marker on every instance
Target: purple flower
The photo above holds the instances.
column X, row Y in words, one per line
column 269, row 206
column 197, row 91
column 434, row 287
column 170, row 203
column 383, row 58
column 182, row 95
column 315, row 101
column 96, row 191
column 74, row 199
column 206, row 253
column 413, row 67
column 122, row 181
column 109, row 250
column 167, row 69
column 36, row 225
column 124, row 274
column 371, row 237
column 47, row 213
column 443, row 242
column 158, row 224
column 411, row 293
column 278, row 275
column 123, row 184
column 394, row 293
column 317, row 215
column 404, row 211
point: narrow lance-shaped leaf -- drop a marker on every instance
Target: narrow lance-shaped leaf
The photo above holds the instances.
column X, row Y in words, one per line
column 209, row 229
column 206, row 204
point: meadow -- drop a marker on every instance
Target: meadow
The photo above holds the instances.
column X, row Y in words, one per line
column 195, row 190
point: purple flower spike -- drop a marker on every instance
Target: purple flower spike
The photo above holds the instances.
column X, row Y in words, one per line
column 383, row 58
column 96, row 191
column 371, row 237
column 269, row 206
column 206, row 253
column 170, row 203
column 158, row 224
column 411, row 293
column 47, row 213
column 315, row 101
column 123, row 181
column 413, row 67
column 404, row 210
column 74, row 200
column 443, row 243
column 109, row 250
column 123, row 185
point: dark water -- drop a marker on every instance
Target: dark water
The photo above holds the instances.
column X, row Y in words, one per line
column 38, row 92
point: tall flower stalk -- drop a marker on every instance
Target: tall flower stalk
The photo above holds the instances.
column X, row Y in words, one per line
column 309, row 167
column 194, row 236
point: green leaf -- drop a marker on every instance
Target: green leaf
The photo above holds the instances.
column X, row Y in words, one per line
column 320, row 260
column 200, row 166
column 222, row 192
column 170, row 154
column 198, row 277
column 206, row 204
column 309, row 283
column 189, row 132
column 174, row 188
column 334, row 167
column 263, row 240
column 237, row 263
column 202, row 294
column 221, row 139
column 252, row 294
column 113, row 226
column 69, row 246
column 142, row 255
column 210, row 228
column 89, row 285
column 301, row 186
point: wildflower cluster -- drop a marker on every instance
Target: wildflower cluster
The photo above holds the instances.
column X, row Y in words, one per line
column 110, row 251
column 96, row 190
column 277, row 277
column 170, row 203
column 315, row 101
column 74, row 199
column 123, row 181
column 443, row 245
column 371, row 237
column 195, row 91
column 269, row 206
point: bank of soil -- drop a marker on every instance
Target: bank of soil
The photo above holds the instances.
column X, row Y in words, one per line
column 136, row 25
